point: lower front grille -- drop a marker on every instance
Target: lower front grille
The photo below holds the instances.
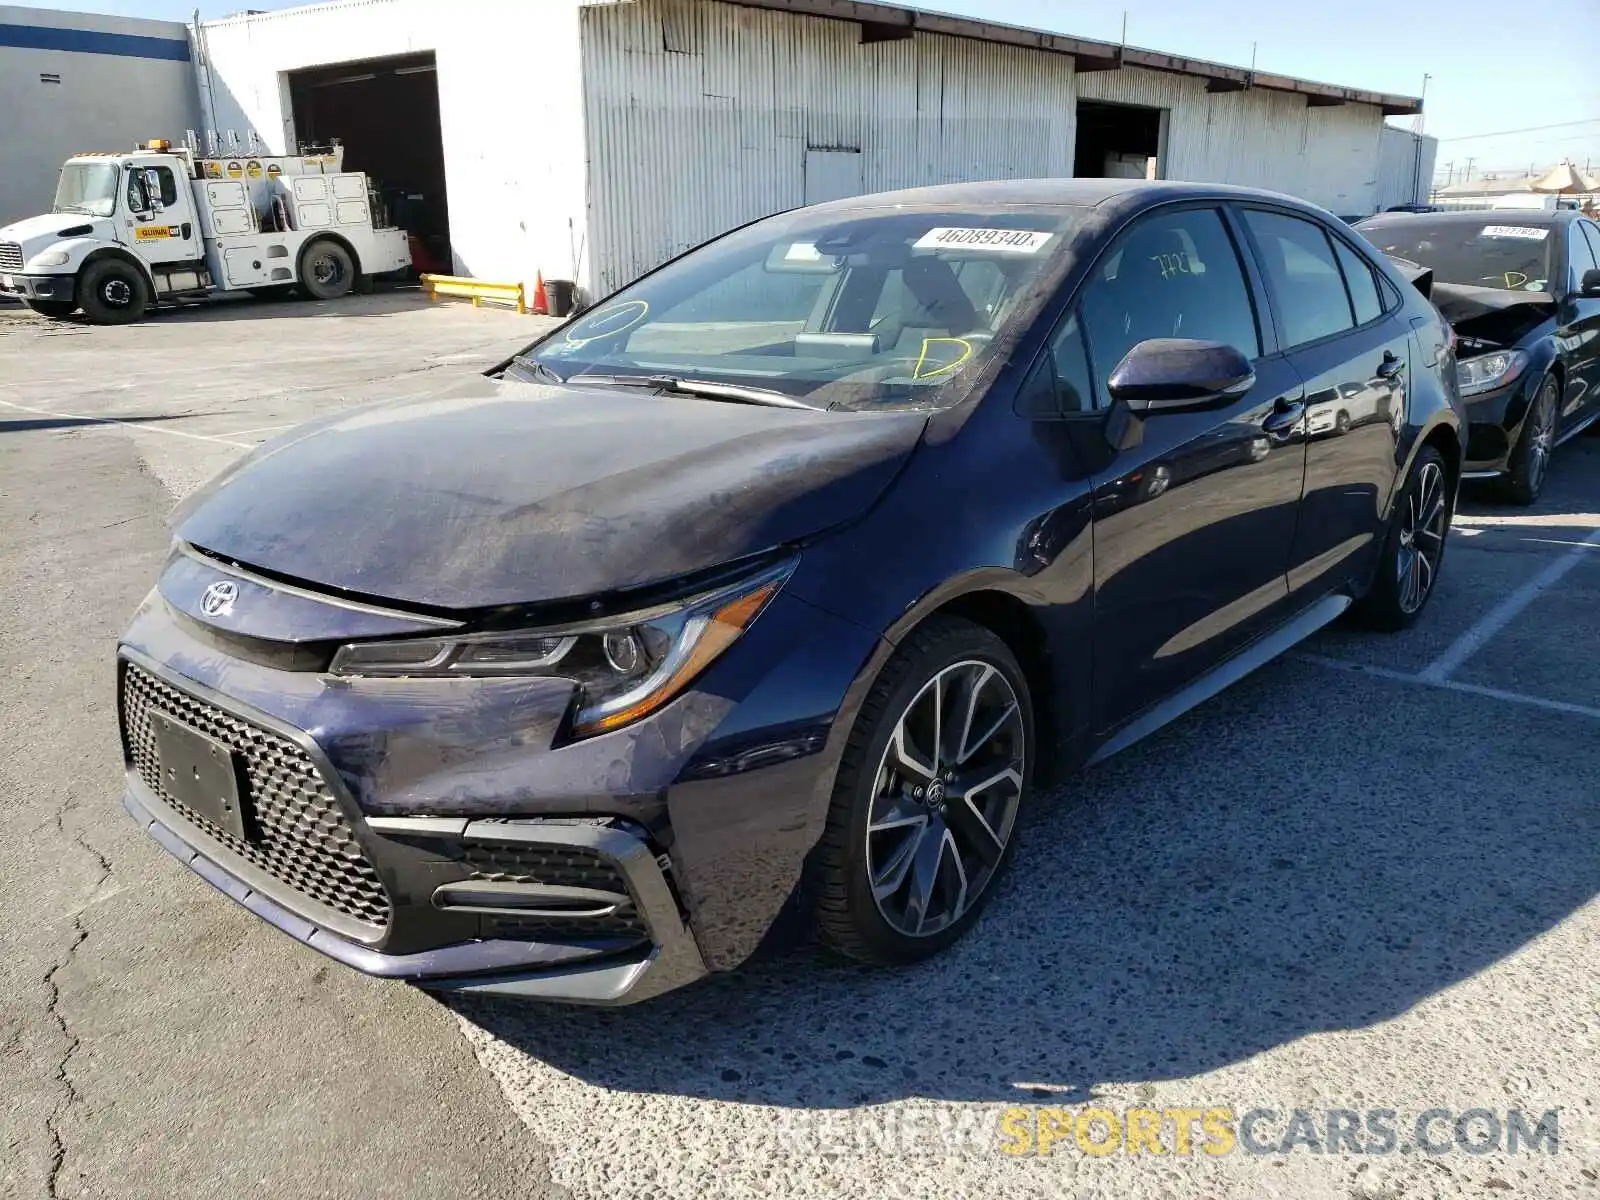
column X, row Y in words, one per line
column 10, row 256
column 305, row 840
column 554, row 866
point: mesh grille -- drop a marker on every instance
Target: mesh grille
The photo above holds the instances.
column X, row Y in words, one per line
column 10, row 256
column 557, row 866
column 305, row 841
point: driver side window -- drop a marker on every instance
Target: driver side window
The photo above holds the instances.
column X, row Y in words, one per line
column 1579, row 254
column 1172, row 275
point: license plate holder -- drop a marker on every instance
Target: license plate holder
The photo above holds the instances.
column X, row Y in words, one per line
column 200, row 773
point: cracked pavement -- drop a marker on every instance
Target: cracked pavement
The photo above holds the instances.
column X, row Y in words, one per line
column 153, row 1042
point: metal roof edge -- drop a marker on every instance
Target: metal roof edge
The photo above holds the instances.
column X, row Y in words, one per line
column 887, row 22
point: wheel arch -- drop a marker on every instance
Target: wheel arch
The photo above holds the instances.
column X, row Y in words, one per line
column 121, row 255
column 337, row 239
column 1010, row 618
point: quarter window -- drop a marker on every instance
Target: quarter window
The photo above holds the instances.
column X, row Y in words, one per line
column 1363, row 286
column 1173, row 275
column 1305, row 279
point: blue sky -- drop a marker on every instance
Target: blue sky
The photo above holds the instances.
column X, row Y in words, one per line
column 1495, row 66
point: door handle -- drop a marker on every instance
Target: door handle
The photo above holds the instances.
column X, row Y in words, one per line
column 1282, row 421
column 1390, row 366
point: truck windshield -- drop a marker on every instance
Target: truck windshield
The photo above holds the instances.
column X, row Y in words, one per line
column 1498, row 251
column 875, row 307
column 89, row 188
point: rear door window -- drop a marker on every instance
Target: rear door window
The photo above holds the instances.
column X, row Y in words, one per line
column 1304, row 276
column 1363, row 285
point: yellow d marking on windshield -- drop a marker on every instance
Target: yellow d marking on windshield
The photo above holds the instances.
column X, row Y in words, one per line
column 1515, row 279
column 605, row 323
column 966, row 352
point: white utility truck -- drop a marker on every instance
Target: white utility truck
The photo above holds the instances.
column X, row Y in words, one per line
column 163, row 223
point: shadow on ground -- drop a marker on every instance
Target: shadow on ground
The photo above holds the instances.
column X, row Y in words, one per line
column 10, row 424
column 1260, row 872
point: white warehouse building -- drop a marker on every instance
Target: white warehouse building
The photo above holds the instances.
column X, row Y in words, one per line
column 593, row 139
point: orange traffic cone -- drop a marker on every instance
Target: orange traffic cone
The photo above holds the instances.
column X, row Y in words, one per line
column 541, row 302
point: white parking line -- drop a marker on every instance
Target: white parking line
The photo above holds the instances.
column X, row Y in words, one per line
column 1448, row 685
column 261, row 429
column 1502, row 614
column 198, row 437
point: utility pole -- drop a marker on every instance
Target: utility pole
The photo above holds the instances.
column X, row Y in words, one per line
column 1466, row 171
column 1420, row 119
column 1450, row 172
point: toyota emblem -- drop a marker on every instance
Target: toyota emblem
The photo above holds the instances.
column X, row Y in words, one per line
column 217, row 601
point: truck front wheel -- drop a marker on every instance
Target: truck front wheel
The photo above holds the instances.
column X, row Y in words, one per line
column 52, row 308
column 112, row 292
column 326, row 271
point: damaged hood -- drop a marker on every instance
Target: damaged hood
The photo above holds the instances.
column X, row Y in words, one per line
column 1492, row 314
column 492, row 492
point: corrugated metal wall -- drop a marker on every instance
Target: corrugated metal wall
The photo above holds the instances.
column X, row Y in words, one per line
column 700, row 116
column 1405, row 167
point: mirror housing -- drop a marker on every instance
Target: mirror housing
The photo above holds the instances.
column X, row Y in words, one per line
column 1164, row 375
column 152, row 188
column 1589, row 285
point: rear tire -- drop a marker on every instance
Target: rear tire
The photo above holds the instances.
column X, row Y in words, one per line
column 1413, row 547
column 112, row 292
column 55, row 309
column 326, row 270
column 904, row 868
column 1530, row 460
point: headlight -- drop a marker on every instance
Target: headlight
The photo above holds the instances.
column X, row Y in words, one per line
column 626, row 667
column 1488, row 371
column 52, row 258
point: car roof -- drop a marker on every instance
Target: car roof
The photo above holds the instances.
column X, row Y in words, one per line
column 1501, row 216
column 1080, row 193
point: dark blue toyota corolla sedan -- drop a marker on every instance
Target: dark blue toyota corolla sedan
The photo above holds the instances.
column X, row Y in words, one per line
column 778, row 580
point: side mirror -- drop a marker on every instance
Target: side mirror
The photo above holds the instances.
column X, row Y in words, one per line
column 1589, row 285
column 1164, row 375
column 152, row 188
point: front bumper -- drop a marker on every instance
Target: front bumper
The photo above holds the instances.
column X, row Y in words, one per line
column 56, row 288
column 692, row 823
column 1494, row 422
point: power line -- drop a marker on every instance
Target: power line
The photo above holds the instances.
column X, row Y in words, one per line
column 1468, row 137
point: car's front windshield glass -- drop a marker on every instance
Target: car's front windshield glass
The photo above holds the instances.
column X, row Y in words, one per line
column 1497, row 252
column 849, row 310
column 89, row 188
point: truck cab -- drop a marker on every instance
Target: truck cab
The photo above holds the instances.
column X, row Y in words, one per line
column 130, row 229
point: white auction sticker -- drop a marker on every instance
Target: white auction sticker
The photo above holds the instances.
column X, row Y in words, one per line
column 1516, row 231
column 998, row 241
column 802, row 252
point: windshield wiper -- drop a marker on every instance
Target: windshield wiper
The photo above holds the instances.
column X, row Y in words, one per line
column 705, row 388
column 536, row 368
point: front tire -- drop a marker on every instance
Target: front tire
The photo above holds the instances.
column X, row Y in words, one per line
column 926, row 801
column 112, row 292
column 1413, row 546
column 54, row 309
column 326, row 270
column 1530, row 461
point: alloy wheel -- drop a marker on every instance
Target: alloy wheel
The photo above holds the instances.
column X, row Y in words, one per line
column 1422, row 531
column 945, row 798
column 1541, row 436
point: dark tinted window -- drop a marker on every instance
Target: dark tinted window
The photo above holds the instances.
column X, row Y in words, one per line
column 1173, row 275
column 1363, row 287
column 1579, row 254
column 1592, row 232
column 1060, row 384
column 1305, row 278
column 1498, row 250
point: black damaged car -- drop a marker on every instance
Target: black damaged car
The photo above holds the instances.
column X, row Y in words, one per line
column 1522, row 289
column 777, row 581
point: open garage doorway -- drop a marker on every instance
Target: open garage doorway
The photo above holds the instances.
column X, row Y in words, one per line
column 385, row 112
column 1117, row 141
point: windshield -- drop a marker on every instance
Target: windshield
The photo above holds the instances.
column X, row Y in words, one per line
column 1496, row 252
column 869, row 308
column 87, row 188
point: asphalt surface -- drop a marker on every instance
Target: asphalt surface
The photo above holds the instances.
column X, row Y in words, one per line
column 1366, row 877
